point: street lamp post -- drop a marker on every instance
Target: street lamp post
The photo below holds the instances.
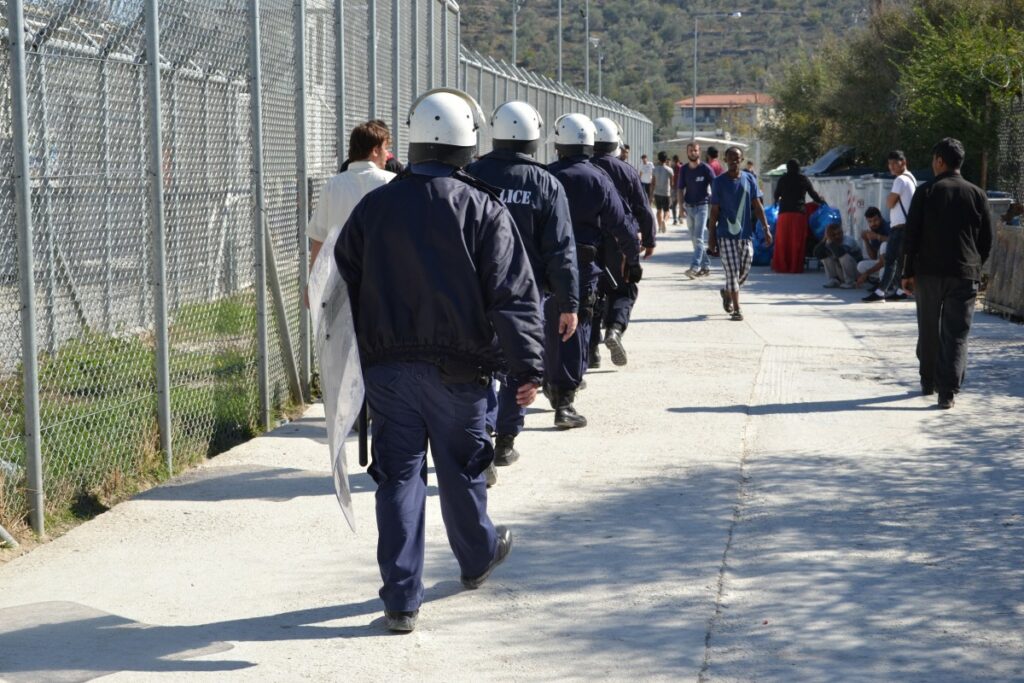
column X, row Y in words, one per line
column 596, row 42
column 696, row 17
column 586, row 45
column 559, row 41
column 516, row 6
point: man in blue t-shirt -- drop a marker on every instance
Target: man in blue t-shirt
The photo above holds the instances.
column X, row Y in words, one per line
column 695, row 185
column 735, row 204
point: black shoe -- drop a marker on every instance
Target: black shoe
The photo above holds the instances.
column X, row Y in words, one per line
column 491, row 475
column 595, row 358
column 566, row 416
column 400, row 622
column 504, row 450
column 873, row 297
column 613, row 340
column 726, row 300
column 736, row 315
column 896, row 297
column 504, row 548
column 946, row 401
column 927, row 389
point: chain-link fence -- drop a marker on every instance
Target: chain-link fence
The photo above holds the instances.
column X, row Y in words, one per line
column 1011, row 150
column 152, row 215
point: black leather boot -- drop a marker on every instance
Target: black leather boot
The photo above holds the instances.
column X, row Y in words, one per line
column 566, row 416
column 505, row 452
column 613, row 340
column 595, row 358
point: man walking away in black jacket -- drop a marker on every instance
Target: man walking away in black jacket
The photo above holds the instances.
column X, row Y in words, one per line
column 948, row 238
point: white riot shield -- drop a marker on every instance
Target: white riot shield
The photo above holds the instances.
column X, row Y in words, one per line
column 341, row 378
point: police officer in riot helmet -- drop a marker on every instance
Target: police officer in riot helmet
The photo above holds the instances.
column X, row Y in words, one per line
column 539, row 206
column 436, row 271
column 597, row 213
column 619, row 295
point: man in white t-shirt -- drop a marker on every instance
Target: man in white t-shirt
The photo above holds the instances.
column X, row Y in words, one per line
column 367, row 153
column 647, row 177
column 898, row 201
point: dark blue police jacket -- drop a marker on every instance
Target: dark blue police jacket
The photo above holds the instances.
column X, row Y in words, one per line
column 627, row 182
column 595, row 206
column 540, row 209
column 435, row 268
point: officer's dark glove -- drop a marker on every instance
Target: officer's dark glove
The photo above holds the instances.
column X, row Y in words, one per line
column 634, row 272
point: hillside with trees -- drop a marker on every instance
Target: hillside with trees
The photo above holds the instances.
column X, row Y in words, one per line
column 909, row 77
column 648, row 45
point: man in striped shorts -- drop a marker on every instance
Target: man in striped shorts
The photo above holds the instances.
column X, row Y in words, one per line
column 735, row 205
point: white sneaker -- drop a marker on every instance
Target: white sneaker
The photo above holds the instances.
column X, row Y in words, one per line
column 832, row 284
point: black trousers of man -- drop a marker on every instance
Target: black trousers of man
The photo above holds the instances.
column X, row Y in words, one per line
column 945, row 308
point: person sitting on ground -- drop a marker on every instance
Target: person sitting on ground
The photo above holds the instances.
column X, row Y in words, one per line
column 839, row 254
column 871, row 269
column 877, row 232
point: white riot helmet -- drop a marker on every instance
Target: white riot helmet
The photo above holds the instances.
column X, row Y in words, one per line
column 516, row 126
column 442, row 127
column 573, row 135
column 608, row 136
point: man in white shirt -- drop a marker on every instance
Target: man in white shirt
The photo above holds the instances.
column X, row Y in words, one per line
column 647, row 177
column 367, row 153
column 898, row 201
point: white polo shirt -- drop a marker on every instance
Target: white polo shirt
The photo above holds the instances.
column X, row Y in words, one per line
column 340, row 195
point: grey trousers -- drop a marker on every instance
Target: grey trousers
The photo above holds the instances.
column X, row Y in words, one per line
column 843, row 269
column 945, row 309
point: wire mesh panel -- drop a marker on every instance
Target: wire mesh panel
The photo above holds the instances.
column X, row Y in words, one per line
column 321, row 105
column 89, row 204
column 12, row 456
column 280, row 169
column 385, row 58
column 1011, row 150
column 208, row 222
column 439, row 54
column 451, row 25
column 424, row 68
column 407, row 65
column 357, row 66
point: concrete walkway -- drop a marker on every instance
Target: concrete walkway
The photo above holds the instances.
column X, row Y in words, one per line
column 767, row 500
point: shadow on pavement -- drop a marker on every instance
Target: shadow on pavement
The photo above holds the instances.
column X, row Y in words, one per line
column 69, row 642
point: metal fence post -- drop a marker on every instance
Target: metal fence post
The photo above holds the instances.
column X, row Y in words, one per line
column 339, row 79
column 414, row 27
column 445, row 80
column 26, row 264
column 259, row 222
column 108, row 254
column 430, row 42
column 302, row 187
column 396, row 74
column 156, row 195
column 371, row 55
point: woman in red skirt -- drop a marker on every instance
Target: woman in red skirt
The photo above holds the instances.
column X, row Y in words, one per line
column 791, row 229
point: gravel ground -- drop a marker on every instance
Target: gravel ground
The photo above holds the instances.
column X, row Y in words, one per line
column 767, row 500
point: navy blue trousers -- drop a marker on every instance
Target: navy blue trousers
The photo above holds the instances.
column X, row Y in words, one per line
column 565, row 362
column 504, row 414
column 619, row 306
column 411, row 408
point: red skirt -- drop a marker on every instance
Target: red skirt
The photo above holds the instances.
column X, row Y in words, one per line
column 790, row 243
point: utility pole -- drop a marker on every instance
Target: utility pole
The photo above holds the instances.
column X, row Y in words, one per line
column 586, row 44
column 516, row 6
column 559, row 41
